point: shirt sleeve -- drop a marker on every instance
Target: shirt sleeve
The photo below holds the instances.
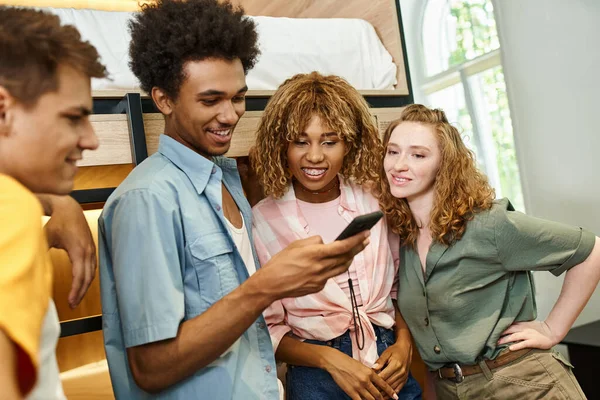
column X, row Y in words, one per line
column 25, row 279
column 275, row 314
column 528, row 243
column 145, row 240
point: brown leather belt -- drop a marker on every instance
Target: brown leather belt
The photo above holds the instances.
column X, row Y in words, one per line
column 457, row 372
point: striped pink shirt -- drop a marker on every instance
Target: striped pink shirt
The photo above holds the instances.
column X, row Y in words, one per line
column 328, row 314
column 317, row 213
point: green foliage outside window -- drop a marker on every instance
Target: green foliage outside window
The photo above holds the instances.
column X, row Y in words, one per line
column 473, row 27
column 475, row 30
column 502, row 134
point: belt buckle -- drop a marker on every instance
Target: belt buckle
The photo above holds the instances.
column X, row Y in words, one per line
column 458, row 375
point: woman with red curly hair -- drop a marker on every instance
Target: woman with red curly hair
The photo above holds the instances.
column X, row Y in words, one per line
column 466, row 288
column 318, row 153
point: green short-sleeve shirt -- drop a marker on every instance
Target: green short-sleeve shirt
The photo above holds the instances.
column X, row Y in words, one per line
column 477, row 287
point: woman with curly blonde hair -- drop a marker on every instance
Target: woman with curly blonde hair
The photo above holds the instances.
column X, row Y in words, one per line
column 317, row 155
column 465, row 269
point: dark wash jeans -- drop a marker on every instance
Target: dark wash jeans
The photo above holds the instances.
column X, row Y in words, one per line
column 305, row 383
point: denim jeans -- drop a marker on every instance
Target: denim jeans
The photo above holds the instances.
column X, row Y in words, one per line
column 304, row 383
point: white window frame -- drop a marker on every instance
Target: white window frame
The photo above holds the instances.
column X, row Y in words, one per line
column 460, row 74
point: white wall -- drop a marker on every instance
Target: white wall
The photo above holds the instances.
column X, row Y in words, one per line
column 551, row 60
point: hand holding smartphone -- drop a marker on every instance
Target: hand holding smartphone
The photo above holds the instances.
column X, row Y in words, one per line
column 359, row 224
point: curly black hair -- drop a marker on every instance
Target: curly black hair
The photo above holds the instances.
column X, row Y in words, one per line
column 168, row 33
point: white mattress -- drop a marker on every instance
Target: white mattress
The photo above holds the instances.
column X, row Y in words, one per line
column 346, row 47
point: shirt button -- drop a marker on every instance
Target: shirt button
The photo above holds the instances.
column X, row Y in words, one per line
column 218, row 207
column 426, row 321
column 437, row 349
column 268, row 369
column 214, row 170
column 261, row 325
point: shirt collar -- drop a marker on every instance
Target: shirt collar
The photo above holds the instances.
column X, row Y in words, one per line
column 347, row 198
column 289, row 203
column 196, row 167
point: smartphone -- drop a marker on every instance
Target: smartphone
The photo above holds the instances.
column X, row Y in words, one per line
column 359, row 224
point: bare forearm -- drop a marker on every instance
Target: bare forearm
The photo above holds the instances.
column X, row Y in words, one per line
column 200, row 340
column 579, row 285
column 302, row 268
column 51, row 203
column 295, row 352
column 401, row 329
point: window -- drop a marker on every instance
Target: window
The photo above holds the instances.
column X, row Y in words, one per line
column 463, row 76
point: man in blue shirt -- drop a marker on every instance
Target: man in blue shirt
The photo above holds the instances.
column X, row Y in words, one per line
column 182, row 315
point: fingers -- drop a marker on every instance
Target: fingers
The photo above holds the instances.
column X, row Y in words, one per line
column 78, row 273
column 526, row 339
column 83, row 272
column 516, row 327
column 360, row 247
column 519, row 346
column 90, row 272
column 352, row 245
column 389, row 370
column 354, row 392
column 355, row 396
column 309, row 241
column 344, row 259
column 518, row 336
column 384, row 386
column 335, row 253
column 398, row 378
column 335, row 270
column 325, row 260
column 371, row 392
column 398, row 386
column 532, row 343
column 382, row 360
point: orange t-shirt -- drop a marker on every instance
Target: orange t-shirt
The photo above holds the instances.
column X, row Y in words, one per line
column 25, row 276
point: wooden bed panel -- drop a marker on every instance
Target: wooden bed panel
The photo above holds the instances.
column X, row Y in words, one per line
column 154, row 126
column 245, row 132
column 89, row 382
column 382, row 14
column 90, row 305
column 101, row 176
column 114, row 133
column 385, row 116
column 113, row 136
column 243, row 136
column 78, row 350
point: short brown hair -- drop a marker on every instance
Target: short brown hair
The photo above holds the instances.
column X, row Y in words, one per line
column 33, row 44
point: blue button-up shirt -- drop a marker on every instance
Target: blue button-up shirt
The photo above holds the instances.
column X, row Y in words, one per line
column 166, row 256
